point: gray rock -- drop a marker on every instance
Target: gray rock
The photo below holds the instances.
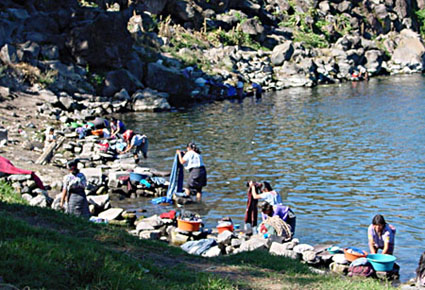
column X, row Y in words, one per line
column 236, row 243
column 117, row 80
column 48, row 97
column 19, row 14
column 280, row 250
column 212, row 252
column 281, row 53
column 373, row 61
column 310, row 257
column 150, row 235
column 67, row 102
column 171, row 81
column 150, row 100
column 339, row 268
column 303, row 248
column 225, row 237
column 90, row 41
column 253, row 27
column 252, row 244
column 122, row 95
column 155, row 6
column 155, row 221
column 50, row 52
column 8, row 54
column 410, row 50
column 98, row 200
column 27, row 197
column 3, row 134
column 111, row 214
column 39, row 200
column 19, row 177
column 345, row 6
column 340, row 259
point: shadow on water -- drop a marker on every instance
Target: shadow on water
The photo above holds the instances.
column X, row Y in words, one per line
column 337, row 154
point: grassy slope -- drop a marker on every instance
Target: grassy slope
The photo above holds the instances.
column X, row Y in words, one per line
column 42, row 248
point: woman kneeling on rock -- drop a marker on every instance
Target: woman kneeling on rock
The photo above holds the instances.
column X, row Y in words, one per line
column 192, row 161
column 381, row 236
column 284, row 212
column 73, row 192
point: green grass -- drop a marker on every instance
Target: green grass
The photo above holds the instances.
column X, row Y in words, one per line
column 43, row 248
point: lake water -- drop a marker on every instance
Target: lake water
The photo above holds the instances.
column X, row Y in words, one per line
column 338, row 155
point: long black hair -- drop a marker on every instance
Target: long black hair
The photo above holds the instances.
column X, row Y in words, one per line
column 378, row 220
column 267, row 186
column 194, row 147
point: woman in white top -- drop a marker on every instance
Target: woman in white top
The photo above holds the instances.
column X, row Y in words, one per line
column 192, row 161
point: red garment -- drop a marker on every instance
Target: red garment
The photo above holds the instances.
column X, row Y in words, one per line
column 7, row 167
column 168, row 215
column 251, row 213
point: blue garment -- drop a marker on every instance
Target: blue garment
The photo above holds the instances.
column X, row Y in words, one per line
column 176, row 182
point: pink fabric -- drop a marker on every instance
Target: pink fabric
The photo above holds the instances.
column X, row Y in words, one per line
column 7, row 167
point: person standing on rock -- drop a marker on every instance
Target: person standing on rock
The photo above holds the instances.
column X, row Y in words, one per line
column 73, row 192
column 192, row 161
column 139, row 142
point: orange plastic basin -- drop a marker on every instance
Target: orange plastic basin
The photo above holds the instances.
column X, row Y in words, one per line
column 188, row 226
column 353, row 256
column 226, row 228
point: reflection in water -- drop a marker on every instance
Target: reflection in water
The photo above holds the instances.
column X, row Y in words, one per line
column 338, row 155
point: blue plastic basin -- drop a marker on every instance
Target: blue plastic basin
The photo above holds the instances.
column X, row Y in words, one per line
column 136, row 177
column 381, row 262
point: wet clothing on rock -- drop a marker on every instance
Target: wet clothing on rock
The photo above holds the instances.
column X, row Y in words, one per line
column 77, row 201
column 388, row 235
column 198, row 247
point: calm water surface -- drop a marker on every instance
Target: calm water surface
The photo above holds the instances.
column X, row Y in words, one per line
column 338, row 155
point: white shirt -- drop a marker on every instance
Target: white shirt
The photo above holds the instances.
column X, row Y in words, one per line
column 192, row 160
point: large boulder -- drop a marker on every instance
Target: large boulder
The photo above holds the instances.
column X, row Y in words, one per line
column 185, row 11
column 8, row 54
column 218, row 6
column 281, row 53
column 164, row 79
column 410, row 50
column 117, row 80
column 150, row 100
column 254, row 28
column 155, row 6
column 373, row 61
column 102, row 42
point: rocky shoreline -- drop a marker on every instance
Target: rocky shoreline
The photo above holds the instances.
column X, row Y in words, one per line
column 62, row 52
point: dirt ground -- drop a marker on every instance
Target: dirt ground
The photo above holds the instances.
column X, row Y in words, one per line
column 18, row 113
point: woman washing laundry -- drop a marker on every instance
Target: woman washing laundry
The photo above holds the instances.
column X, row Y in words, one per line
column 192, row 161
column 381, row 236
column 284, row 212
column 267, row 193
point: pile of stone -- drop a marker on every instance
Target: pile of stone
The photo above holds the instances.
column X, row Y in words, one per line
column 24, row 185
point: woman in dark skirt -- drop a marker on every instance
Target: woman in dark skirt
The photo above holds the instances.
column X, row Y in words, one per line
column 192, row 161
column 73, row 192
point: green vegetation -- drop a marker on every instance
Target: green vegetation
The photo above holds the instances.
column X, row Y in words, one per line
column 420, row 14
column 42, row 248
